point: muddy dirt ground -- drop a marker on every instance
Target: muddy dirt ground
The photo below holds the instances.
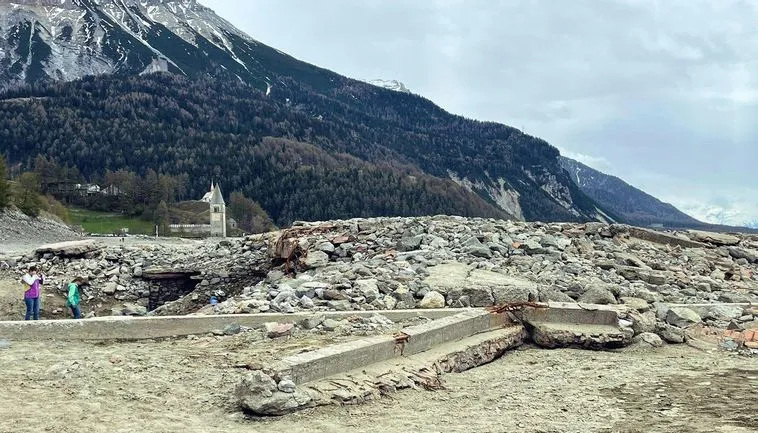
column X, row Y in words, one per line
column 12, row 307
column 185, row 385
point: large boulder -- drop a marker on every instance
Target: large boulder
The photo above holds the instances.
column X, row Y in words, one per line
column 650, row 339
column 446, row 277
column 551, row 294
column 259, row 394
column 630, row 260
column 454, row 276
column 368, row 288
column 109, row 288
column 682, row 317
column 312, row 321
column 724, row 312
column 276, row 330
column 635, row 303
column 526, row 292
column 129, row 309
column 598, row 295
column 316, row 259
column 670, row 334
column 642, row 322
column 477, row 296
column 532, row 247
column 559, row 243
column 739, row 253
column 69, row 249
column 410, row 243
column 475, row 248
column 714, row 238
column 432, row 300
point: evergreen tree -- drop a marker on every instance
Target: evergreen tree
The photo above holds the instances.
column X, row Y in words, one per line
column 28, row 195
column 249, row 214
column 161, row 218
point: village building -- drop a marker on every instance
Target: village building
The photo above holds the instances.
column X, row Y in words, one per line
column 217, row 217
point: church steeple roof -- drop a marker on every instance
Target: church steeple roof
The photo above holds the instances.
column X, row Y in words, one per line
column 216, row 197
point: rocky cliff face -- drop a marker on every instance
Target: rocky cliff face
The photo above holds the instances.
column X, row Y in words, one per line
column 69, row 39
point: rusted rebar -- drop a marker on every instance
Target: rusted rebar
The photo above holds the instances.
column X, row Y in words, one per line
column 514, row 306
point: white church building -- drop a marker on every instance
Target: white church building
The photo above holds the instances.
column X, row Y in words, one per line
column 217, row 226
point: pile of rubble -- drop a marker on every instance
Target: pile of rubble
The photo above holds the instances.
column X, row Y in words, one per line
column 434, row 262
column 319, row 323
column 18, row 231
column 441, row 261
column 121, row 279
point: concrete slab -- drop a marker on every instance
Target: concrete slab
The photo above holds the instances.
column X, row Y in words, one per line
column 450, row 276
column 259, row 394
column 140, row 328
column 595, row 337
column 328, row 361
column 586, row 326
column 663, row 238
column 573, row 313
column 331, row 360
column 70, row 248
column 705, row 309
column 452, row 328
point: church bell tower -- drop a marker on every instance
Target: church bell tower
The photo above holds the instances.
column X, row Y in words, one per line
column 218, row 213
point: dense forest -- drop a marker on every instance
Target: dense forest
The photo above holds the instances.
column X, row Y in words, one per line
column 358, row 151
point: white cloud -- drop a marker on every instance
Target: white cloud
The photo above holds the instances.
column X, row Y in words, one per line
column 730, row 206
column 736, row 214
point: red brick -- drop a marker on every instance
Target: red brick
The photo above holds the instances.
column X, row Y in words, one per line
column 749, row 335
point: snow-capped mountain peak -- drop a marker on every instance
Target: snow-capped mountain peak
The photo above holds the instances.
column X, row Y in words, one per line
column 390, row 84
column 69, row 39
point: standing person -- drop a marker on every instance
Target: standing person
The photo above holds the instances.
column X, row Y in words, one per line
column 72, row 301
column 32, row 280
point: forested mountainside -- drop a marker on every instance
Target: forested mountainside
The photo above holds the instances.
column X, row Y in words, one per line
column 145, row 123
column 224, row 92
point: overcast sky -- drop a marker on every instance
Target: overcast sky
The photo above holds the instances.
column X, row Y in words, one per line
column 662, row 93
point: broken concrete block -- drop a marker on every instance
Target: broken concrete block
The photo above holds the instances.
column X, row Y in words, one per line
column 276, row 330
column 682, row 317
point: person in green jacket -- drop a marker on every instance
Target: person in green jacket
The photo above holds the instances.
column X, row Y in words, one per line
column 72, row 301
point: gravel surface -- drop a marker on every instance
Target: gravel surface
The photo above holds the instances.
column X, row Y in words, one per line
column 186, row 385
column 20, row 234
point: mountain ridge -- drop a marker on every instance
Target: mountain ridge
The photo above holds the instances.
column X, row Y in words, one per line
column 41, row 44
column 634, row 205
